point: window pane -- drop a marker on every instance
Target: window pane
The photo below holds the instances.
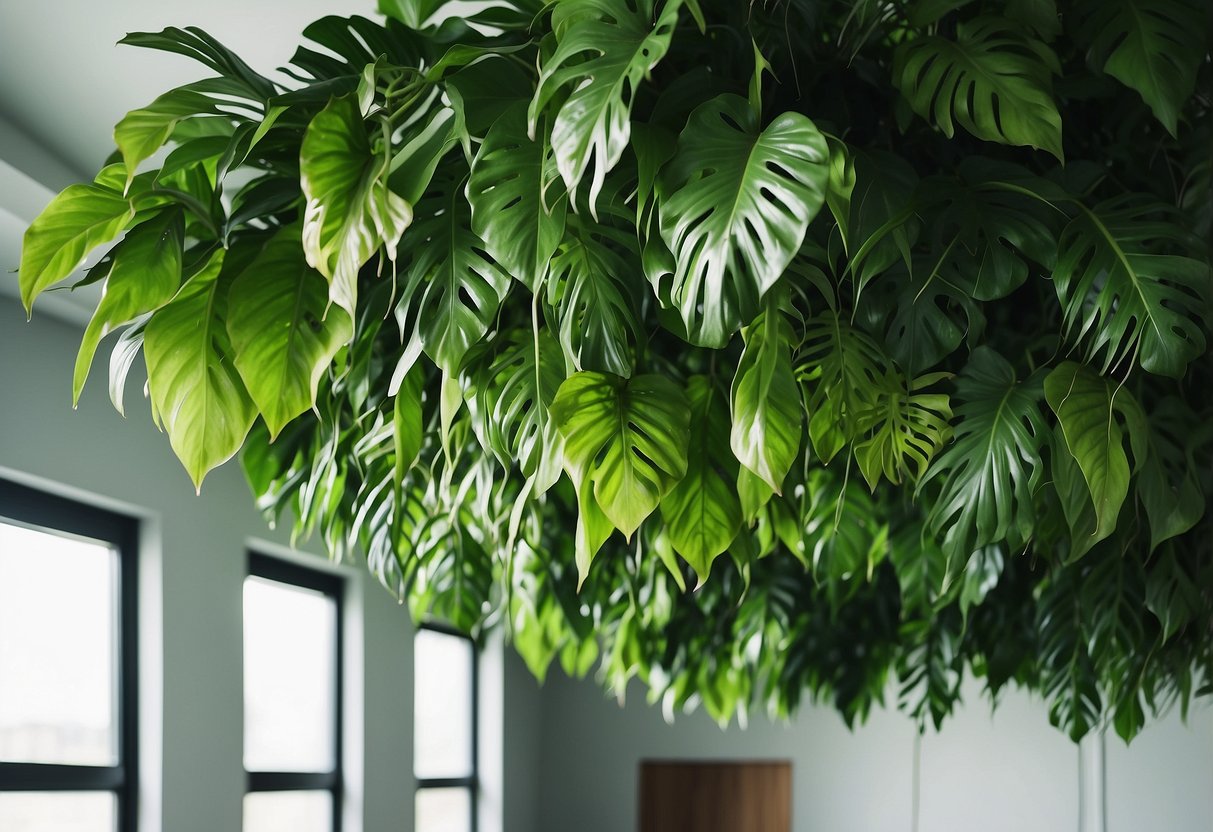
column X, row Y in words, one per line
column 57, row 811
column 288, row 812
column 444, row 810
column 58, row 620
column 290, row 677
column 442, row 708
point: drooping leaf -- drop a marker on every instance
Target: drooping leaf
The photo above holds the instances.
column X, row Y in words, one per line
column 192, row 381
column 194, row 43
column 1168, row 485
column 625, row 437
column 702, row 513
column 145, row 275
column 1152, row 47
column 514, row 210
column 350, row 212
column 904, row 429
column 988, row 475
column 283, row 333
column 1120, row 297
column 993, row 79
column 843, row 535
column 604, row 50
column 736, row 203
column 766, row 407
column 1087, row 406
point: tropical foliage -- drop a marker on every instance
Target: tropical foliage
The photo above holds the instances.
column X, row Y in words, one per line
column 757, row 350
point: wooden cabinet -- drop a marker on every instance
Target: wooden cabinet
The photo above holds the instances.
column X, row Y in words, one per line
column 685, row 796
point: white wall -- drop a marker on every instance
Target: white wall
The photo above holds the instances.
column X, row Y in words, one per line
column 1007, row 772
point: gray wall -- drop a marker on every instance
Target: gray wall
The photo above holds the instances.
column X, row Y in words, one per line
column 1006, row 772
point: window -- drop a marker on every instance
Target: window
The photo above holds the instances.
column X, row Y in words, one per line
column 67, row 665
column 292, row 698
column 444, row 719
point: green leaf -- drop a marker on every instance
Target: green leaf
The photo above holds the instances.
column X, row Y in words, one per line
column 766, row 408
column 924, row 573
column 193, row 384
column 145, row 275
column 604, row 49
column 1120, row 297
column 350, row 212
column 702, row 512
column 75, row 222
column 482, row 92
column 1173, row 593
column 923, row 315
column 514, row 210
column 408, row 426
column 283, row 332
column 844, row 536
column 459, row 289
column 1168, row 486
column 994, row 80
column 412, row 13
column 1087, row 405
column 625, row 437
column 904, row 429
column 878, row 227
column 1153, row 47
column 194, row 43
column 988, row 476
column 736, row 203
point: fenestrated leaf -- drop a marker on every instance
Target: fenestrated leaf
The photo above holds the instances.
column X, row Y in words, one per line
column 194, row 387
column 350, row 212
column 625, row 437
column 736, row 203
column 993, row 79
column 604, row 49
column 515, row 210
column 145, row 275
column 1120, row 297
column 702, row 514
column 923, row 315
column 1167, row 485
column 1152, row 46
column 1087, row 406
column 903, row 430
column 459, row 286
column 766, row 407
column 1069, row 680
column 1173, row 593
column 283, row 333
column 75, row 222
column 591, row 290
column 988, row 475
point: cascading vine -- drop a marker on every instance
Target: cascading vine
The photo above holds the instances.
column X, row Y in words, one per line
column 756, row 350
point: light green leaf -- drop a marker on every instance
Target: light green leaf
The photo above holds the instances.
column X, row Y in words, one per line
column 702, row 513
column 412, row 13
column 993, row 79
column 75, row 222
column 627, row 438
column 408, row 426
column 350, row 212
column 1087, row 406
column 1120, row 297
column 194, row 387
column 988, row 476
column 515, row 210
column 737, row 201
column 282, row 330
column 145, row 275
column 1152, row 46
column 765, row 404
column 604, row 49
column 904, row 430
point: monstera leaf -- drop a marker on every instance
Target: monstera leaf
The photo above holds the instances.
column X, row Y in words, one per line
column 1087, row 407
column 514, row 209
column 194, row 387
column 624, row 438
column 1152, row 47
column 1120, row 297
column 903, row 431
column 702, row 513
column 994, row 80
column 1168, row 485
column 988, row 475
column 738, row 201
column 604, row 49
column 350, row 212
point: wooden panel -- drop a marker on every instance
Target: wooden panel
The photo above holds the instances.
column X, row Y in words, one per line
column 716, row 796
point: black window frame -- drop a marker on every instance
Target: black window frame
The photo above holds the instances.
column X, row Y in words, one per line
column 332, row 586
column 32, row 508
column 470, row 783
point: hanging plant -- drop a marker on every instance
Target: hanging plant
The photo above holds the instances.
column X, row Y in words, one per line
column 752, row 349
